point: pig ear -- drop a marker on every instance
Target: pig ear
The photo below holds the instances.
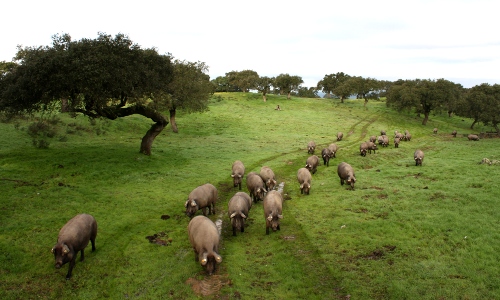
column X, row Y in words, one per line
column 280, row 216
column 270, row 218
column 186, row 204
column 204, row 259
column 193, row 203
column 240, row 176
column 302, row 186
column 232, row 216
column 65, row 249
column 53, row 249
column 218, row 259
column 232, row 175
column 308, row 186
column 243, row 215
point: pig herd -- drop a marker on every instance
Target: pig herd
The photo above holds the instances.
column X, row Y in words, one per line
column 203, row 234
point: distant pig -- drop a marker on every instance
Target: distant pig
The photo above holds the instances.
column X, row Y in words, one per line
column 346, row 174
column 200, row 198
column 363, row 148
column 312, row 163
column 419, row 157
column 396, row 143
column 326, row 154
column 268, row 177
column 256, row 186
column 237, row 173
column 311, row 146
column 473, row 137
column 340, row 135
column 273, row 206
column 204, row 238
column 454, row 133
column 333, row 148
column 238, row 207
column 372, row 147
column 304, row 177
column 74, row 237
column 435, row 130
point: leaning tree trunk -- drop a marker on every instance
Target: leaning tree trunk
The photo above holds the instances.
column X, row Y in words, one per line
column 148, row 139
column 264, row 96
column 172, row 121
column 473, row 123
column 366, row 102
column 426, row 118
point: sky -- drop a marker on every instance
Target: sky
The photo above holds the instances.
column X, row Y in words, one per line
column 457, row 40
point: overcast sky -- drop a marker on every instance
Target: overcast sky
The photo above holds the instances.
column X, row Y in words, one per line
column 458, row 40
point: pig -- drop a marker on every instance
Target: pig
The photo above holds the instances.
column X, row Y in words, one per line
column 204, row 238
column 396, row 143
column 238, row 172
column 435, row 130
column 340, row 135
column 454, row 133
column 407, row 137
column 326, row 153
column 383, row 132
column 419, row 157
column 473, row 137
column 312, row 163
column 380, row 140
column 346, row 174
column 363, row 148
column 333, row 148
column 399, row 135
column 268, row 176
column 200, row 198
column 74, row 237
column 385, row 141
column 273, row 206
column 238, row 207
column 371, row 147
column 311, row 146
column 373, row 139
column 304, row 177
column 256, row 186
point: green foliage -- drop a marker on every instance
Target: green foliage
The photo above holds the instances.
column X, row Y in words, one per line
column 244, row 80
column 405, row 232
column 286, row 84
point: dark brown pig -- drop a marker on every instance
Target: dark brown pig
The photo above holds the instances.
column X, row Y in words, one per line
column 204, row 238
column 326, row 154
column 273, row 206
column 256, row 186
column 238, row 173
column 363, row 148
column 346, row 174
column 419, row 157
column 372, row 147
column 312, row 163
column 333, row 148
column 268, row 176
column 311, row 146
column 238, row 207
column 454, row 133
column 304, row 177
column 200, row 198
column 74, row 237
column 396, row 143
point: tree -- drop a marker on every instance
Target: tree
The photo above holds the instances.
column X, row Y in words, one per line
column 221, row 84
column 366, row 88
column 422, row 95
column 190, row 89
column 334, row 83
column 305, row 92
column 264, row 84
column 104, row 77
column 286, row 83
column 245, row 80
column 482, row 103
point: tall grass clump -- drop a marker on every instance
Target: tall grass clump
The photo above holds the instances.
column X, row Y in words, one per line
column 404, row 232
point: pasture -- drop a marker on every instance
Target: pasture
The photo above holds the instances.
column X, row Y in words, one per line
column 404, row 232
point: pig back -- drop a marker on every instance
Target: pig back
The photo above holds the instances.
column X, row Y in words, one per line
column 78, row 231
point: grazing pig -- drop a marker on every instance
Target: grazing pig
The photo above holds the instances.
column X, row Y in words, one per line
column 333, row 148
column 311, row 146
column 200, row 198
column 340, row 135
column 454, row 133
column 419, row 157
column 326, row 153
column 238, row 172
column 312, row 163
column 273, row 206
column 371, row 147
column 396, row 143
column 399, row 135
column 407, row 137
column 473, row 137
column 268, row 176
column 382, row 132
column 373, row 139
column 204, row 238
column 435, row 130
column 74, row 237
column 346, row 174
column 238, row 207
column 363, row 148
column 256, row 186
column 380, row 140
column 304, row 177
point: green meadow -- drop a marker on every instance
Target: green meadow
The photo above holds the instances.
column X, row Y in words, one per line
column 404, row 232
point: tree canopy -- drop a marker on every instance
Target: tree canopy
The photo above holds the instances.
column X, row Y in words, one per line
column 244, row 80
column 264, row 85
column 335, row 84
column 107, row 77
column 287, row 83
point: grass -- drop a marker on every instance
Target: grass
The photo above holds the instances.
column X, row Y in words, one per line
column 405, row 232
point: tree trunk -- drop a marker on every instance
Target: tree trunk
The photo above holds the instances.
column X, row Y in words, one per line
column 288, row 95
column 264, row 96
column 172, row 121
column 473, row 123
column 64, row 105
column 341, row 99
column 426, row 118
column 366, row 102
column 450, row 113
column 148, row 139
